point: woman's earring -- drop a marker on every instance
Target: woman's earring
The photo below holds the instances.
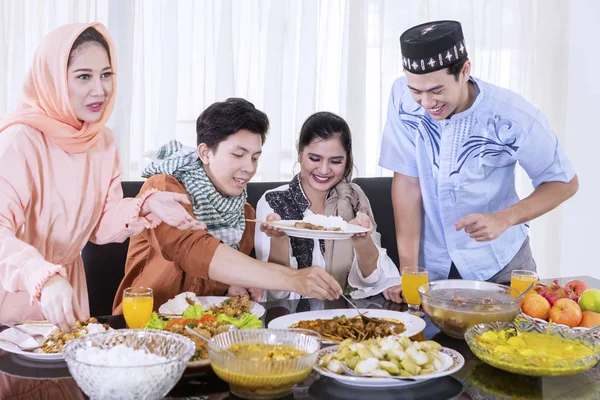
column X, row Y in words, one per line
column 294, row 167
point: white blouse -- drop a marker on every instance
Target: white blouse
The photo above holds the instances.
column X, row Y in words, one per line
column 384, row 276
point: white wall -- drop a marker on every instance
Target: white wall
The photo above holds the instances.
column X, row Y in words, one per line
column 580, row 245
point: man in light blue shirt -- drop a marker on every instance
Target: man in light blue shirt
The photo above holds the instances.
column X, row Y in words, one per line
column 453, row 142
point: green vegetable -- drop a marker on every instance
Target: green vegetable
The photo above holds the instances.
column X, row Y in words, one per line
column 155, row 323
column 248, row 321
column 193, row 312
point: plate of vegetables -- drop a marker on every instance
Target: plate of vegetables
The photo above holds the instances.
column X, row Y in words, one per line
column 386, row 357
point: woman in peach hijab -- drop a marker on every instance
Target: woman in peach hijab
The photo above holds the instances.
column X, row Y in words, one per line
column 60, row 179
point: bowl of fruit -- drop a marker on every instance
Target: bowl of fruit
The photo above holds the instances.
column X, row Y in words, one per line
column 573, row 305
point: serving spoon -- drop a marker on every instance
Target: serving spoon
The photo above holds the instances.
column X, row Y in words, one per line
column 583, row 333
column 525, row 292
column 349, row 371
column 36, row 336
column 22, row 348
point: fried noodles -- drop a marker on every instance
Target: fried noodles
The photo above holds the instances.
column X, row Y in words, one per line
column 355, row 328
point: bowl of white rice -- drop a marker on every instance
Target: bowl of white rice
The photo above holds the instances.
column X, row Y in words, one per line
column 128, row 364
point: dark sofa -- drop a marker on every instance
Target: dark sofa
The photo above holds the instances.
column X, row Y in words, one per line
column 104, row 265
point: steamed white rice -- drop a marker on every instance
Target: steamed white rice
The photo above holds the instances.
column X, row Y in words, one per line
column 118, row 356
column 326, row 221
column 178, row 304
column 130, row 374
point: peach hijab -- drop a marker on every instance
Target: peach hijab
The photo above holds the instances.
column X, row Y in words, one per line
column 45, row 102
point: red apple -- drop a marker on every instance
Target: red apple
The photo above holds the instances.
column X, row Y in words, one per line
column 566, row 312
column 577, row 287
column 536, row 306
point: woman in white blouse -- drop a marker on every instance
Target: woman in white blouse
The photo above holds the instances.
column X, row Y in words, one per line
column 360, row 265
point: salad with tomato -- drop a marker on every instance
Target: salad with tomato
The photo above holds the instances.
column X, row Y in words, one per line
column 206, row 323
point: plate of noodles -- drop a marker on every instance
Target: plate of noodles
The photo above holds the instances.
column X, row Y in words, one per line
column 338, row 325
column 319, row 226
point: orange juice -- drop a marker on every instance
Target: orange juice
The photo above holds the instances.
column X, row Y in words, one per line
column 410, row 283
column 137, row 310
column 522, row 282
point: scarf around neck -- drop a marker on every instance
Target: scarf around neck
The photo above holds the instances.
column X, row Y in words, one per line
column 223, row 215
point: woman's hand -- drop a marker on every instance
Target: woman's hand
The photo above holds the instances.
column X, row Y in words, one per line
column 59, row 304
column 168, row 207
column 364, row 221
column 394, row 294
column 271, row 230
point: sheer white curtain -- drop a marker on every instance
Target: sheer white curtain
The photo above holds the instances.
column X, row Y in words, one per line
column 292, row 58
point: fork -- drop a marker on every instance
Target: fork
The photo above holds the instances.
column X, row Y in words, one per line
column 349, row 371
column 358, row 310
column 36, row 336
column 22, row 348
column 395, row 328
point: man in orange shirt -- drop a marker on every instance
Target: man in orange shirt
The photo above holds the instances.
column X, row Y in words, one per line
column 214, row 175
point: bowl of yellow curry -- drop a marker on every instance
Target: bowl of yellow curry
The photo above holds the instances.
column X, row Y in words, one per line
column 264, row 363
column 526, row 348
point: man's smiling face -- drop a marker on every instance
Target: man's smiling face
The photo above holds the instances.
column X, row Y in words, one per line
column 441, row 94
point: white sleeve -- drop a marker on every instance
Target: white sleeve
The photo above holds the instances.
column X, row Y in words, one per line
column 262, row 243
column 262, row 246
column 385, row 275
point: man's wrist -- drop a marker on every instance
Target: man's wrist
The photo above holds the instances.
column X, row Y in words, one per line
column 507, row 217
column 289, row 278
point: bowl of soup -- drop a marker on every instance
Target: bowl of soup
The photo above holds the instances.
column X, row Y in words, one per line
column 455, row 305
column 526, row 348
column 264, row 363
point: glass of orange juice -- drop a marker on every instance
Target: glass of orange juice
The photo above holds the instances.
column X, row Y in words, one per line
column 521, row 279
column 412, row 278
column 137, row 306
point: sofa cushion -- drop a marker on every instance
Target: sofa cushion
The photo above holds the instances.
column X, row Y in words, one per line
column 379, row 192
column 257, row 189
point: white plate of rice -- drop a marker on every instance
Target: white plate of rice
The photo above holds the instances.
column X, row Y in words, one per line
column 343, row 230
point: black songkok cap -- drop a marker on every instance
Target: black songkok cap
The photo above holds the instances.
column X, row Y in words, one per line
column 432, row 46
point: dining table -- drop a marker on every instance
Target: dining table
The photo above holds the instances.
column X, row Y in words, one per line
column 25, row 379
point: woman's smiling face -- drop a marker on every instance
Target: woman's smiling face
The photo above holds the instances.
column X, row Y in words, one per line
column 322, row 164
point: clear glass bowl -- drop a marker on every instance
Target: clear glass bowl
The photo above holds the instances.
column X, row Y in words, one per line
column 533, row 365
column 264, row 379
column 454, row 318
column 485, row 382
column 130, row 381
